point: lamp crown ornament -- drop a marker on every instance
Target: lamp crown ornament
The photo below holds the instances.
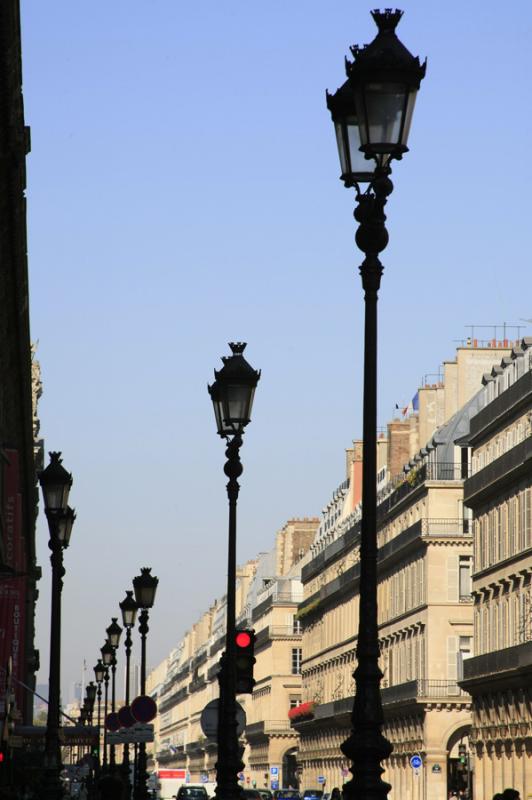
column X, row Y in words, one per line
column 386, row 57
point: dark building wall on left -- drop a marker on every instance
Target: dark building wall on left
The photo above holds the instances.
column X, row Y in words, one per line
column 18, row 493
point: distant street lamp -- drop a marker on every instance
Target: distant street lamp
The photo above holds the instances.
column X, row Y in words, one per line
column 232, row 397
column 145, row 587
column 114, row 631
column 107, row 658
column 99, row 674
column 372, row 113
column 55, row 484
column 129, row 609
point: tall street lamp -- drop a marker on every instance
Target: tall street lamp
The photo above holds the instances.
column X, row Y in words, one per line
column 114, row 631
column 145, row 587
column 372, row 113
column 129, row 609
column 55, row 484
column 107, row 657
column 99, row 674
column 232, row 397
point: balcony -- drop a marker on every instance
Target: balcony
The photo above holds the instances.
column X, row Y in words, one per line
column 197, row 684
column 503, row 471
column 423, row 689
column 498, row 413
column 269, row 727
column 440, row 471
column 273, row 632
column 499, row 665
column 172, row 700
column 277, row 598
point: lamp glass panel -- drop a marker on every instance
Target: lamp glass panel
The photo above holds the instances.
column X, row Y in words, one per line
column 56, row 496
column 64, row 528
column 219, row 415
column 410, row 103
column 385, row 106
column 339, row 130
column 237, row 406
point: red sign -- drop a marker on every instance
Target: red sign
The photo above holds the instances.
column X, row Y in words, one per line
column 12, row 589
column 144, row 708
column 176, row 774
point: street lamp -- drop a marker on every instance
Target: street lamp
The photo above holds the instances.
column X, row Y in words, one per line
column 114, row 631
column 129, row 609
column 372, row 113
column 99, row 674
column 232, row 398
column 55, row 483
column 107, row 658
column 145, row 587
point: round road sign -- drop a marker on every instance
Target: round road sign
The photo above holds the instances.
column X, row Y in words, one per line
column 209, row 719
column 144, row 708
column 416, row 762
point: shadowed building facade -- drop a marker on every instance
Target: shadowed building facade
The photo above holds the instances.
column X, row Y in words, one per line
column 18, row 495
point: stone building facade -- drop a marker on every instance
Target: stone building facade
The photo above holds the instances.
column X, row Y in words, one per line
column 499, row 492
column 269, row 592
column 424, row 595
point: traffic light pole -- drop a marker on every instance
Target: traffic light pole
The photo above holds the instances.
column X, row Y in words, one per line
column 229, row 763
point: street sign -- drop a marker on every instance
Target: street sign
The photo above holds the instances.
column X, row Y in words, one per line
column 415, row 762
column 274, row 770
column 274, row 785
column 144, row 708
column 209, row 719
column 134, row 735
column 321, row 778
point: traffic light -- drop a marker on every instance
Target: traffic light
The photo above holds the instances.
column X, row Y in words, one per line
column 244, row 645
column 462, row 754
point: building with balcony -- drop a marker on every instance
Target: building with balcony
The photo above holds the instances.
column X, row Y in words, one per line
column 269, row 592
column 424, row 596
column 499, row 492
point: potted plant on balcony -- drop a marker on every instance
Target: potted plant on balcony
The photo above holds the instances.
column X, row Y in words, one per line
column 304, row 711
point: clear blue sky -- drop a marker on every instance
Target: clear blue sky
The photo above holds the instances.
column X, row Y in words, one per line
column 183, row 192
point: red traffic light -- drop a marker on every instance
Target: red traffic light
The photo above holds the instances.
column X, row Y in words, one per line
column 243, row 639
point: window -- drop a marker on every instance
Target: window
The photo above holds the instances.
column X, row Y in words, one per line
column 295, row 702
column 464, row 651
column 296, row 625
column 296, row 660
column 465, row 563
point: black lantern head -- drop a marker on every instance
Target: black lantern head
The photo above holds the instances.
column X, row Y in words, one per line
column 129, row 609
column 114, row 632
column 99, row 671
column 145, row 586
column 90, row 691
column 55, row 484
column 356, row 168
column 232, row 392
column 63, row 523
column 385, row 78
column 108, row 653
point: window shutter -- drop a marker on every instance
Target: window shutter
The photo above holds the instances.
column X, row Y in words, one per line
column 452, row 577
column 452, row 657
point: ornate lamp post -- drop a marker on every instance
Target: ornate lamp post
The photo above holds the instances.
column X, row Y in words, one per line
column 232, row 397
column 129, row 609
column 114, row 631
column 55, row 484
column 107, row 658
column 99, row 674
column 145, row 587
column 372, row 113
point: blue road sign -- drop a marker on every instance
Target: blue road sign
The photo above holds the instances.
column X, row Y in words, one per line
column 274, row 770
column 416, row 762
